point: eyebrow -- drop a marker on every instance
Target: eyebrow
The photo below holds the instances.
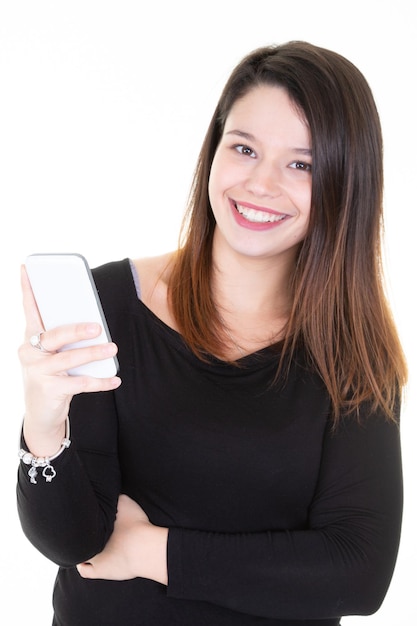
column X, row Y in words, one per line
column 250, row 137
column 241, row 133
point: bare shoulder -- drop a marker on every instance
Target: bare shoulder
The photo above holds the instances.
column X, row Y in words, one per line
column 153, row 274
column 154, row 269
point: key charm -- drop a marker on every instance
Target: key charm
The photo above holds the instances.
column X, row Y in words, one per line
column 48, row 473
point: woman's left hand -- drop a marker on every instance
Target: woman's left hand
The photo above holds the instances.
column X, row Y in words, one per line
column 136, row 548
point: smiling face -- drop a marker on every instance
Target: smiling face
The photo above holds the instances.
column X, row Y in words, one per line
column 260, row 180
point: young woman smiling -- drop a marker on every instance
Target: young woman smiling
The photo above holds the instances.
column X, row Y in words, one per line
column 248, row 469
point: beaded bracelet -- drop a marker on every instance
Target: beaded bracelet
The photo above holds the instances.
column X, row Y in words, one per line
column 44, row 461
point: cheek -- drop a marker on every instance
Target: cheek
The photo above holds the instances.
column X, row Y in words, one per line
column 302, row 198
column 305, row 217
column 223, row 175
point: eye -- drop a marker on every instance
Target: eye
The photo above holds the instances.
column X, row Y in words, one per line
column 245, row 150
column 301, row 165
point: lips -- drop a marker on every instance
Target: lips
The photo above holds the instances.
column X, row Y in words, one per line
column 257, row 218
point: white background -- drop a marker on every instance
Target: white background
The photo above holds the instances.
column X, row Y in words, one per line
column 103, row 107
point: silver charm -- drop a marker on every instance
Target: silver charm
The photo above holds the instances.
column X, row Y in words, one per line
column 36, row 462
column 33, row 472
column 48, row 473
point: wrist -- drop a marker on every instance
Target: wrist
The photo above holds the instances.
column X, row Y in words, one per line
column 44, row 462
column 161, row 547
column 156, row 540
column 43, row 441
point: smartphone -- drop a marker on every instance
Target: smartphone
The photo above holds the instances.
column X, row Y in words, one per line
column 65, row 293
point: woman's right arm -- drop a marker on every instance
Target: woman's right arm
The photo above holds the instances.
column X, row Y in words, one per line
column 64, row 518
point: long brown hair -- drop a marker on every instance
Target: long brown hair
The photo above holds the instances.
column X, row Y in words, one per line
column 340, row 313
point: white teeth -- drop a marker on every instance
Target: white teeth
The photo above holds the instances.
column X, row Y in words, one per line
column 252, row 215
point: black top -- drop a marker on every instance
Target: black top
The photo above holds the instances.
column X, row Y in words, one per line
column 274, row 518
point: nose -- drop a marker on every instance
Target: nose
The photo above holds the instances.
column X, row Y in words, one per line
column 264, row 180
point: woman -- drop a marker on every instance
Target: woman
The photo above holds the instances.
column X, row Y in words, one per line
column 247, row 470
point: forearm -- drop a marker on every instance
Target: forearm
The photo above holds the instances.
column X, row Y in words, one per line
column 65, row 519
column 341, row 563
column 294, row 575
column 71, row 518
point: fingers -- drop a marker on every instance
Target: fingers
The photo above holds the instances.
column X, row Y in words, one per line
column 39, row 365
column 48, row 392
column 48, row 388
column 55, row 338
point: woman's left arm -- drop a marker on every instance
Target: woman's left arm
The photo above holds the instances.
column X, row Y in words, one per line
column 341, row 564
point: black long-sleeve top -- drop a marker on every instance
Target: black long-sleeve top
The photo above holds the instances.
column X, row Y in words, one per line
column 274, row 516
